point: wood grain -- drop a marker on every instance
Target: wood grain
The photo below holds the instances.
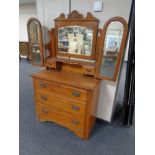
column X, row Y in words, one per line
column 67, row 78
column 55, row 102
column 68, row 105
column 49, row 113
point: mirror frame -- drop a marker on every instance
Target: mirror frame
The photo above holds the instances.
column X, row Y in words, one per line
column 40, row 43
column 77, row 19
column 121, row 50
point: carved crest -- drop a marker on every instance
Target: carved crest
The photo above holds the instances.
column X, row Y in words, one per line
column 76, row 15
column 90, row 17
column 61, row 16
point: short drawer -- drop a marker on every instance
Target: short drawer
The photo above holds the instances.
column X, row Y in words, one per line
column 70, row 106
column 49, row 113
column 62, row 90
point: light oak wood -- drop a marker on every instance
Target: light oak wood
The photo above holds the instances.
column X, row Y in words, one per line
column 75, row 18
column 67, row 79
column 49, row 113
column 68, row 99
column 68, row 105
column 121, row 50
column 61, row 90
column 78, row 66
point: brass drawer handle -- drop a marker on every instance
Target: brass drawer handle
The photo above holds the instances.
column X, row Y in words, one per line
column 43, row 85
column 75, row 122
column 45, row 111
column 74, row 107
column 76, row 93
column 44, row 98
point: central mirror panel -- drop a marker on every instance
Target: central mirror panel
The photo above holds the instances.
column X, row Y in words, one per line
column 75, row 40
column 111, row 48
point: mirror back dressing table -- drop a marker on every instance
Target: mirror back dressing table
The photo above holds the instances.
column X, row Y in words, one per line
column 78, row 56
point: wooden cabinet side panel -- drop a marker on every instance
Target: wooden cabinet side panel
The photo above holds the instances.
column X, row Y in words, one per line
column 91, row 110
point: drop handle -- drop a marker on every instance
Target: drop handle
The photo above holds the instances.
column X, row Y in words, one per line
column 75, row 122
column 45, row 111
column 74, row 107
column 76, row 93
column 44, row 98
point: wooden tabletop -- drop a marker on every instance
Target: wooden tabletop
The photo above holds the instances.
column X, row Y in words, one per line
column 68, row 78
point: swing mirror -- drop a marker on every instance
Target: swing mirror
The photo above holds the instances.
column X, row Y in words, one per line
column 114, row 39
column 75, row 40
column 76, row 36
column 35, row 41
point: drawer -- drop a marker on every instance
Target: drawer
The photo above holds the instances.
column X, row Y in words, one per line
column 62, row 90
column 49, row 113
column 69, row 106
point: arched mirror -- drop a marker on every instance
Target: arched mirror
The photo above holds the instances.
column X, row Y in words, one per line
column 112, row 48
column 35, row 41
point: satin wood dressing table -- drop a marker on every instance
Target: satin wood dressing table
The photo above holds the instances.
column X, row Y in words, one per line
column 67, row 90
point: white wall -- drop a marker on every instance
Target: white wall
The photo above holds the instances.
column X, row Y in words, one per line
column 48, row 10
column 52, row 9
column 26, row 11
column 111, row 8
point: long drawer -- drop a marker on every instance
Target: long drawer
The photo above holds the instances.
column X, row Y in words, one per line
column 71, row 106
column 49, row 113
column 61, row 90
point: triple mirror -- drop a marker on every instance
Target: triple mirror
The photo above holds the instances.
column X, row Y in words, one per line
column 35, row 41
column 77, row 37
column 113, row 44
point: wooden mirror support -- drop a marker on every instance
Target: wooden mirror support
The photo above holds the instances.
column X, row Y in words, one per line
column 115, row 56
column 85, row 28
column 74, row 27
column 34, row 30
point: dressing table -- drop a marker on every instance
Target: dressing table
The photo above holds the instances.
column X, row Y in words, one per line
column 67, row 90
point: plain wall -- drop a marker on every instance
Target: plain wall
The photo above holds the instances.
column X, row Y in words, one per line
column 48, row 10
column 26, row 11
column 111, row 8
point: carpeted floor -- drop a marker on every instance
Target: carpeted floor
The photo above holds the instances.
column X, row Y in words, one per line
column 38, row 138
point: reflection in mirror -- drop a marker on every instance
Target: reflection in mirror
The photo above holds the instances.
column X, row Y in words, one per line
column 35, row 41
column 111, row 49
column 75, row 40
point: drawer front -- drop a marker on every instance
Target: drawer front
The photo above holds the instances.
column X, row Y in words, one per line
column 61, row 90
column 48, row 113
column 69, row 106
